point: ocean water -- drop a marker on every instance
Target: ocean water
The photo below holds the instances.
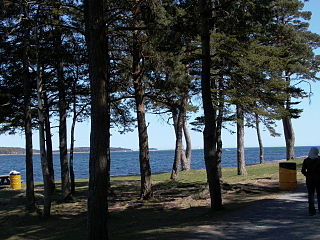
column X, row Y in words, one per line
column 127, row 163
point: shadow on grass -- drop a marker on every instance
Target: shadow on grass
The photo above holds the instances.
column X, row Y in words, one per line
column 134, row 219
column 30, row 226
column 156, row 224
column 265, row 218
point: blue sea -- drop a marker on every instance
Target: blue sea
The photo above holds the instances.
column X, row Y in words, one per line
column 127, row 163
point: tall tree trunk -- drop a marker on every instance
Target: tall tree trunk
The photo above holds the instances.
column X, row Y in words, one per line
column 241, row 164
column 145, row 169
column 185, row 156
column 110, row 192
column 72, row 133
column 27, row 89
column 72, row 180
column 188, row 144
column 261, row 149
column 137, row 75
column 64, row 163
column 95, row 16
column 219, row 126
column 209, row 133
column 62, row 105
column 42, row 144
column 288, row 128
column 41, row 119
column 289, row 137
column 178, row 122
column 183, row 159
column 49, row 143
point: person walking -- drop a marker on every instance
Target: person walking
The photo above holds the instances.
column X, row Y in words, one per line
column 311, row 170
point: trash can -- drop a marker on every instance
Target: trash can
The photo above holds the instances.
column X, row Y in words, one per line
column 287, row 176
column 15, row 180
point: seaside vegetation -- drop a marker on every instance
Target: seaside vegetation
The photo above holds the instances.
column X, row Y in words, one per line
column 241, row 62
column 177, row 206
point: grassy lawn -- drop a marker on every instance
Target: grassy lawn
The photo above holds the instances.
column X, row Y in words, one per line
column 178, row 205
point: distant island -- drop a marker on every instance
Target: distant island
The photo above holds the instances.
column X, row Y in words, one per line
column 21, row 151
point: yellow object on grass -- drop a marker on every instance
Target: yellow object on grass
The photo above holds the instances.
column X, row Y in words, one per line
column 15, row 181
column 287, row 176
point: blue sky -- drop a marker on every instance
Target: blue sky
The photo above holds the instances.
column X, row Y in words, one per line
column 161, row 135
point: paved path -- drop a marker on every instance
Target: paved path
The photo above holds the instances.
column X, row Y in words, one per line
column 283, row 218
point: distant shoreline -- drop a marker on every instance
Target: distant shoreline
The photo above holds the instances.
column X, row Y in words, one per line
column 37, row 153
column 129, row 150
column 5, row 151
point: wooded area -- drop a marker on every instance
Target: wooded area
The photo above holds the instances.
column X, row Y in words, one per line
column 113, row 61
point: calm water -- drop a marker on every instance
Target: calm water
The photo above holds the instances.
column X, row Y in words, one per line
column 127, row 163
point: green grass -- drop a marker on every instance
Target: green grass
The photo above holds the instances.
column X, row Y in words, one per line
column 269, row 169
column 178, row 206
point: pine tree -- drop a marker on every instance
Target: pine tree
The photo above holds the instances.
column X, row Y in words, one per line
column 100, row 137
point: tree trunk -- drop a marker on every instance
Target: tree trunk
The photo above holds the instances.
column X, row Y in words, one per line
column 137, row 75
column 64, row 163
column 288, row 128
column 209, row 133
column 62, row 105
column 95, row 16
column 178, row 122
column 145, row 170
column 72, row 138
column 261, row 149
column 41, row 119
column 27, row 89
column 188, row 144
column 219, row 126
column 43, row 155
column 185, row 156
column 49, row 144
column 184, row 161
column 289, row 137
column 241, row 164
column 72, row 182
column 110, row 192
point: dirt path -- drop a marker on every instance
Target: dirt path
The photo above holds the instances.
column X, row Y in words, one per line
column 282, row 218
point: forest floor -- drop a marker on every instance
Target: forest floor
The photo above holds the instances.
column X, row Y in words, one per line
column 179, row 210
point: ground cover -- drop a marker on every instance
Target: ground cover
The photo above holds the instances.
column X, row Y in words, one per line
column 181, row 204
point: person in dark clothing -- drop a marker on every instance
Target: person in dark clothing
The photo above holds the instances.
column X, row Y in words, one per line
column 311, row 170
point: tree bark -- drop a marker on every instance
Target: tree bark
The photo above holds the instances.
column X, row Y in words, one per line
column 183, row 157
column 209, row 133
column 49, row 143
column 72, row 180
column 178, row 122
column 64, row 163
column 219, row 127
column 41, row 119
column 62, row 106
column 241, row 164
column 27, row 89
column 185, row 161
column 95, row 16
column 187, row 138
column 287, row 127
column 42, row 144
column 289, row 137
column 145, row 169
column 137, row 75
column 261, row 149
